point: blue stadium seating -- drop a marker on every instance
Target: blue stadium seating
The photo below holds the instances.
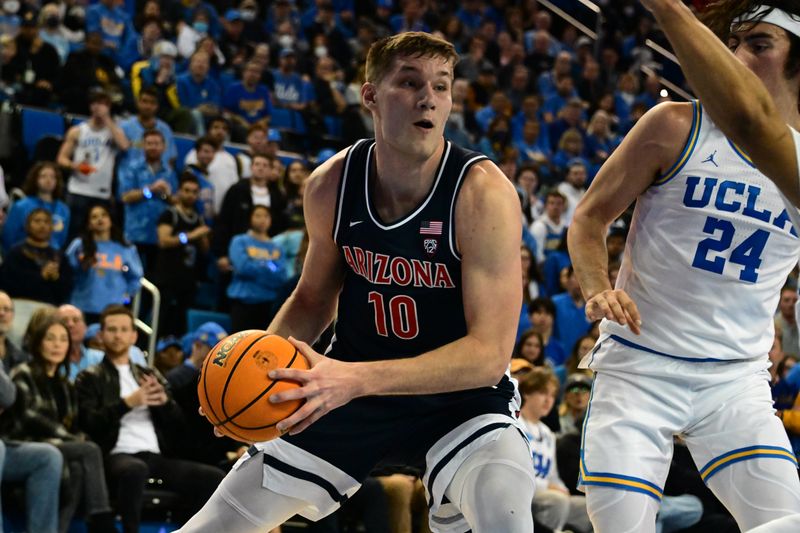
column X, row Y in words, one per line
column 197, row 317
column 184, row 145
column 36, row 123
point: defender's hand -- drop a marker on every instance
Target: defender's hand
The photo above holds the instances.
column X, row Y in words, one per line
column 328, row 385
column 614, row 305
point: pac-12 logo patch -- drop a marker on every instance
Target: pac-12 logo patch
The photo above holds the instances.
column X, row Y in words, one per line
column 430, row 246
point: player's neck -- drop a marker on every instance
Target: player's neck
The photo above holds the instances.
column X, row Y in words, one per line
column 786, row 102
column 400, row 183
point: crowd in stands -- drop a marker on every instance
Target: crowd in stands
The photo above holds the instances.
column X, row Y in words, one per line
column 264, row 91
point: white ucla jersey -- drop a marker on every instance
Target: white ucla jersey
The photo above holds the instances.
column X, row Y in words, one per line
column 95, row 153
column 709, row 249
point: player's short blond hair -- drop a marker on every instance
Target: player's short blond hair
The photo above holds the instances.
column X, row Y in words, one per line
column 382, row 53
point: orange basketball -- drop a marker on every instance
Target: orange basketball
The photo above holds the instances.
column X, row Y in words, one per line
column 234, row 386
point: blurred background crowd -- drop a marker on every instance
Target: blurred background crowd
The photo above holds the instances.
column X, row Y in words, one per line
column 153, row 155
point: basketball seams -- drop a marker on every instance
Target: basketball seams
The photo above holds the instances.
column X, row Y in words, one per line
column 233, row 371
column 232, row 422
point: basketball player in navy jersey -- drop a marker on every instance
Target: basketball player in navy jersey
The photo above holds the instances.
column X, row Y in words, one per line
column 414, row 249
column 687, row 328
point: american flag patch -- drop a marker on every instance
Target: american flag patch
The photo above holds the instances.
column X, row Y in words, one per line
column 431, row 228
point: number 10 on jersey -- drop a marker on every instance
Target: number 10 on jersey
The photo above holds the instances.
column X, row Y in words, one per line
column 402, row 315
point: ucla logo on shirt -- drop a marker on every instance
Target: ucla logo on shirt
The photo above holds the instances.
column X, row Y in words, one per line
column 254, row 252
column 541, row 465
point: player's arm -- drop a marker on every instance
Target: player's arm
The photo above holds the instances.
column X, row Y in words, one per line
column 660, row 134
column 488, row 235
column 64, row 157
column 312, row 305
column 732, row 94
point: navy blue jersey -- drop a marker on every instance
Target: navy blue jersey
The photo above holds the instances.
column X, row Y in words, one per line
column 402, row 292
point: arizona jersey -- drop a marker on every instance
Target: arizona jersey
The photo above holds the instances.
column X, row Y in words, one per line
column 710, row 246
column 402, row 287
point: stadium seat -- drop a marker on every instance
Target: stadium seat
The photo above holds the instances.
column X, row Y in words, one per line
column 36, row 123
column 197, row 317
column 184, row 145
column 281, row 118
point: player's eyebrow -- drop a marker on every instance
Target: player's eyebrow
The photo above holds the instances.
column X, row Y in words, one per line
column 411, row 68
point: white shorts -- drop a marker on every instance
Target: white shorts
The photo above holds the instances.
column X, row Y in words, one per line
column 297, row 473
column 640, row 401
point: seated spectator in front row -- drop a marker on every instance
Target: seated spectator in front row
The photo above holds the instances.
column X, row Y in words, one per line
column 33, row 269
column 201, row 443
column 106, row 269
column 11, row 355
column 46, row 411
column 127, row 409
column 576, row 400
column 553, row 505
column 79, row 357
column 259, row 273
column 36, row 464
column 43, row 187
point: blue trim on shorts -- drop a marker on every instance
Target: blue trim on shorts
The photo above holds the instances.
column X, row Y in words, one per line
column 744, row 454
column 607, row 479
column 305, row 475
column 631, row 344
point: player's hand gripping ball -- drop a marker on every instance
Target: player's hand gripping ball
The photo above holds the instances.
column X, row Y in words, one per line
column 234, row 386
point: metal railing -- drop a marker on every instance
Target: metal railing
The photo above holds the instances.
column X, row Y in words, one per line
column 596, row 35
column 151, row 330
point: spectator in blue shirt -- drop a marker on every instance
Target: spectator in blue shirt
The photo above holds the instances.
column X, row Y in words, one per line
column 289, row 90
column 570, row 323
column 106, row 269
column 411, row 19
column 542, row 315
column 259, row 272
column 499, row 104
column 248, row 102
column 198, row 92
column 113, row 23
column 146, row 120
column 145, row 188
column 184, row 11
column 44, row 188
column 565, row 90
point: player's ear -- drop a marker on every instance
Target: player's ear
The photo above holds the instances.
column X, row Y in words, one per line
column 368, row 95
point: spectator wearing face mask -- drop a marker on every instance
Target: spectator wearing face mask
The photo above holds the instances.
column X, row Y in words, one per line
column 53, row 31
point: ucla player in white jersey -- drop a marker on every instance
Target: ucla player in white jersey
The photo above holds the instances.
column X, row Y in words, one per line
column 683, row 347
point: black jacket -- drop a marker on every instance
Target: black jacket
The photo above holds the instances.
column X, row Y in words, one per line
column 100, row 408
column 35, row 416
column 234, row 215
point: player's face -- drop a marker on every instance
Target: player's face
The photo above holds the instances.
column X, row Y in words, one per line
column 411, row 104
column 55, row 344
column 764, row 49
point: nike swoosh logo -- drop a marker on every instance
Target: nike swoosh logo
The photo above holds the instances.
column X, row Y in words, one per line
column 355, row 223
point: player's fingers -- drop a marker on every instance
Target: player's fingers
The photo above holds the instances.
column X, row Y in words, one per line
column 295, row 393
column 302, row 376
column 218, row 433
column 298, row 416
column 617, row 312
column 312, row 356
column 601, row 309
column 633, row 311
column 316, row 415
column 201, row 412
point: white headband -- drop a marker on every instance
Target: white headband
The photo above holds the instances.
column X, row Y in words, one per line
column 775, row 16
